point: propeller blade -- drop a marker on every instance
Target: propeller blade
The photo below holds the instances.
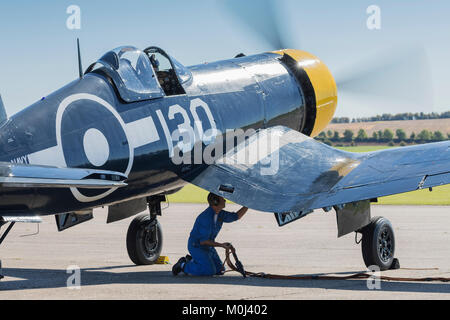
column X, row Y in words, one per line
column 260, row 17
column 396, row 82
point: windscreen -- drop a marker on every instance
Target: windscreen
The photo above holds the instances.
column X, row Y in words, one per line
column 132, row 73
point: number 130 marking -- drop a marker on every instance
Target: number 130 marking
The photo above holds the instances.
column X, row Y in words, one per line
column 190, row 133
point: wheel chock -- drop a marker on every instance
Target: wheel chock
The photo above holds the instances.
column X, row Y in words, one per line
column 162, row 260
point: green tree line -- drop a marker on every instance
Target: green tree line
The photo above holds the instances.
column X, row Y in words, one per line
column 395, row 117
column 382, row 137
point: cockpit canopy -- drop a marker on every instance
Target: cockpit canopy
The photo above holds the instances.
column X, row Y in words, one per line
column 134, row 75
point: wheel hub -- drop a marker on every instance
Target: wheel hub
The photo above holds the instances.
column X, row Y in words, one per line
column 385, row 245
column 150, row 240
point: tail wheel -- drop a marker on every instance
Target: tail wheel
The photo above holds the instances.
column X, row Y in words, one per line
column 144, row 240
column 378, row 243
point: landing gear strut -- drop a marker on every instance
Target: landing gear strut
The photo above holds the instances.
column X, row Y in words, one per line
column 11, row 225
column 144, row 236
column 378, row 241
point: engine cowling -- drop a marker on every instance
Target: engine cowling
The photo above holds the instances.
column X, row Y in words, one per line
column 318, row 86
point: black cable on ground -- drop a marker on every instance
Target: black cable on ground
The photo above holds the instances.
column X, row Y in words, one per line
column 361, row 275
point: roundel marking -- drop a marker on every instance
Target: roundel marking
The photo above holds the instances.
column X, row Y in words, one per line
column 93, row 138
column 96, row 147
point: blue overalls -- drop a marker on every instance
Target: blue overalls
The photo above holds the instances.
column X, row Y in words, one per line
column 205, row 260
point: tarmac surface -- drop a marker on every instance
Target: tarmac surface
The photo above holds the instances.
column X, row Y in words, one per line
column 35, row 267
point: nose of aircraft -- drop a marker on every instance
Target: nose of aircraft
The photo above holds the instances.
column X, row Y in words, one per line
column 323, row 83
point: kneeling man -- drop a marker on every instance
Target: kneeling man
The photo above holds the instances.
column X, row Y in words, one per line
column 203, row 259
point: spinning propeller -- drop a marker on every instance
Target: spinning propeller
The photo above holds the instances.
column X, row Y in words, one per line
column 396, row 82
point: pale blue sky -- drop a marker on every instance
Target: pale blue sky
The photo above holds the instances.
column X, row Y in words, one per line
column 39, row 52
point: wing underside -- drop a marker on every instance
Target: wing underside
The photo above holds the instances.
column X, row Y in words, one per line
column 299, row 174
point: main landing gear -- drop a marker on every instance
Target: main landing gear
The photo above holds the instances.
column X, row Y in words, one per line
column 378, row 244
column 144, row 236
column 378, row 240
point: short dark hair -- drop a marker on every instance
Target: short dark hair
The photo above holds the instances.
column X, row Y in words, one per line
column 213, row 199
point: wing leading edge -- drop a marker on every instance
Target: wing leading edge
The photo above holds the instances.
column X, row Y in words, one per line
column 33, row 176
column 302, row 174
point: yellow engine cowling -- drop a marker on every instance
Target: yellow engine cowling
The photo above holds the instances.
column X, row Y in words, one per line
column 324, row 88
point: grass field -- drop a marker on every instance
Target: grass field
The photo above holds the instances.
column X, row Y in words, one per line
column 439, row 196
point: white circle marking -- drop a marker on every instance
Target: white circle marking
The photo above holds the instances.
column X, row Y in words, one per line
column 96, row 147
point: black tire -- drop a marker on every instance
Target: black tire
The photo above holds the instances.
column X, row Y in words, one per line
column 378, row 243
column 142, row 247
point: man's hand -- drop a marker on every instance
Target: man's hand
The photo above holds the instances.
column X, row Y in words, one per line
column 210, row 243
column 242, row 212
column 227, row 245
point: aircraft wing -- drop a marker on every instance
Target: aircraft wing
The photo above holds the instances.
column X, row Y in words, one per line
column 33, row 176
column 303, row 174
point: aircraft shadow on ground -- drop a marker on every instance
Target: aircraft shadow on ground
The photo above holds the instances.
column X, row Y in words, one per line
column 47, row 279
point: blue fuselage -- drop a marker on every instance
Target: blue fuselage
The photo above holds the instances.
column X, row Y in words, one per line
column 87, row 125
